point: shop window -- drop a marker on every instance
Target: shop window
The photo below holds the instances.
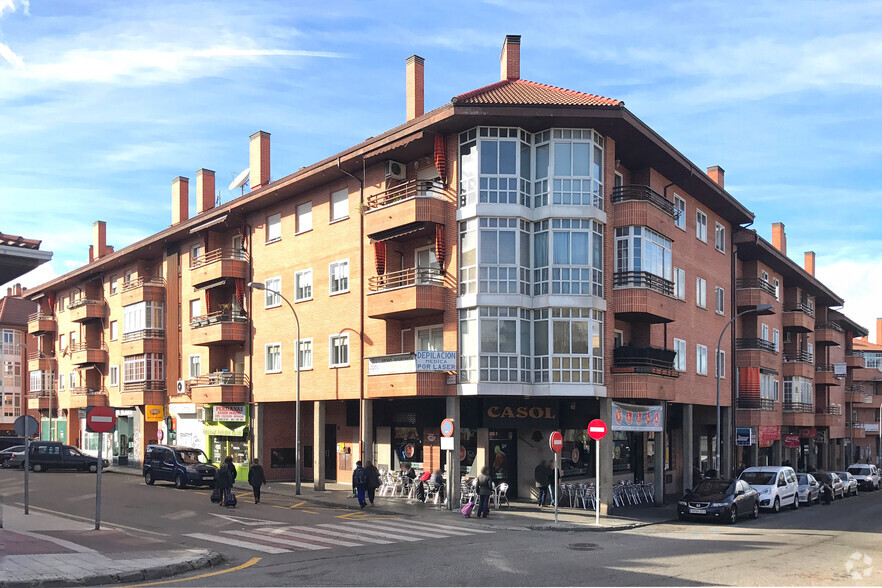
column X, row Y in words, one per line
column 285, row 457
column 408, row 444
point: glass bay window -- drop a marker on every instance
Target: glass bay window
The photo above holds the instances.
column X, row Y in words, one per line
column 641, row 251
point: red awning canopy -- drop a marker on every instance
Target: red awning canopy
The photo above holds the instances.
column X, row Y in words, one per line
column 441, row 157
column 380, row 255
column 440, row 248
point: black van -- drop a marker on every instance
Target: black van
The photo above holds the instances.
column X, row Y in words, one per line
column 7, row 442
column 182, row 465
column 52, row 455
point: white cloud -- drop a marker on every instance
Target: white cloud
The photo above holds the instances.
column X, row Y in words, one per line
column 10, row 56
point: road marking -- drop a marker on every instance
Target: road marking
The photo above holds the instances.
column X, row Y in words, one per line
column 371, row 538
column 92, row 520
column 369, row 527
column 447, row 527
column 247, row 564
column 287, row 531
column 298, row 504
column 237, row 543
column 246, row 520
column 276, row 539
column 404, row 526
column 60, row 542
column 181, row 514
column 338, row 534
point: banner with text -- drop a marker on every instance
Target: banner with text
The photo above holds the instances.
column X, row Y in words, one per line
column 634, row 417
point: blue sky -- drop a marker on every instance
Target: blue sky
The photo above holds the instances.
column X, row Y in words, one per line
column 102, row 104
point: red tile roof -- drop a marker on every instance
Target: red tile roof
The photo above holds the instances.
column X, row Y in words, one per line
column 17, row 241
column 526, row 93
column 864, row 345
column 14, row 311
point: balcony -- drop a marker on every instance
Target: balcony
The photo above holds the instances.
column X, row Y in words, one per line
column 40, row 323
column 85, row 309
column 855, row 429
column 750, row 292
column 141, row 393
column 798, row 414
column 219, row 328
column 799, row 317
column 824, row 376
column 830, row 416
column 83, row 397
column 409, row 384
column 799, row 363
column 643, row 297
column 829, row 333
column 866, row 374
column 637, row 193
column 42, row 400
column 411, row 203
column 744, row 343
column 747, row 403
column 143, row 341
column 409, row 293
column 88, row 352
column 42, row 361
column 219, row 387
column 143, row 289
column 218, row 265
column 854, row 360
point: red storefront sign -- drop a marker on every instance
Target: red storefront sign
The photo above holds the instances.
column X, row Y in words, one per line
column 807, row 433
column 791, row 441
column 767, row 435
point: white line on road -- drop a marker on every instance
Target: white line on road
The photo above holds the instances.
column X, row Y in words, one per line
column 371, row 537
column 445, row 527
column 181, row 514
column 91, row 519
column 276, row 539
column 347, row 535
column 370, row 527
column 237, row 543
column 405, row 527
column 287, row 532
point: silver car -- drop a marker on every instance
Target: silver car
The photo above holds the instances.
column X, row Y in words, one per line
column 850, row 483
column 13, row 455
column 809, row 489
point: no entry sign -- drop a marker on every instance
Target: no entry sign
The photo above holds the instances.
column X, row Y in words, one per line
column 101, row 419
column 555, row 441
column 597, row 429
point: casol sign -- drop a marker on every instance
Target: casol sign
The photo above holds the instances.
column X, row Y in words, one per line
column 501, row 413
column 154, row 413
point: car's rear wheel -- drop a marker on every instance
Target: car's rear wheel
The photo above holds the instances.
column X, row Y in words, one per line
column 5, row 464
column 148, row 478
column 733, row 515
column 776, row 507
column 38, row 468
column 795, row 505
column 179, row 482
column 755, row 513
column 93, row 468
column 808, row 501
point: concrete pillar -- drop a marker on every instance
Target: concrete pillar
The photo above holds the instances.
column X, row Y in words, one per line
column 688, row 450
column 776, row 453
column 726, row 446
column 367, row 431
column 811, row 458
column 384, row 448
column 607, row 447
column 318, row 444
column 754, row 453
column 660, row 458
column 453, row 474
column 257, row 434
column 482, row 456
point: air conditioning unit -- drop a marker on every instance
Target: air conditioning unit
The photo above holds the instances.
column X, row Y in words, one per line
column 182, row 387
column 395, row 170
column 200, row 414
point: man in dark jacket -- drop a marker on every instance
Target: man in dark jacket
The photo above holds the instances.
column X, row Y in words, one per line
column 373, row 480
column 223, row 481
column 360, row 482
column 256, row 478
column 541, row 476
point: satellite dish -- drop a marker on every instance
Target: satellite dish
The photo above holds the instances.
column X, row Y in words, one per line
column 240, row 179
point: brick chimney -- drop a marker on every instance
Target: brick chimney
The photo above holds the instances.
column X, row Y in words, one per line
column 99, row 240
column 510, row 60
column 180, row 199
column 204, row 190
column 879, row 331
column 716, row 174
column 810, row 262
column 260, row 159
column 779, row 238
column 16, row 290
column 414, row 82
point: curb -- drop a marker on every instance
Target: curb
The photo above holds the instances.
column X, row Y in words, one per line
column 572, row 528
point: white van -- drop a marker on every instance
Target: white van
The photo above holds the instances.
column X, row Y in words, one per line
column 777, row 486
column 867, row 475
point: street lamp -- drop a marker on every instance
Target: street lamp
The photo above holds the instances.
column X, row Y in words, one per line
column 259, row 286
column 759, row 308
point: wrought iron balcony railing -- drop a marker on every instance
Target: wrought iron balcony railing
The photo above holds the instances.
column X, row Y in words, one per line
column 755, row 284
column 220, row 316
column 414, row 276
column 829, row 325
column 220, row 379
column 219, row 255
column 799, row 357
column 801, row 307
column 140, row 282
column 799, row 407
column 755, row 343
column 834, row 409
column 756, row 403
column 637, row 192
column 643, row 280
column 411, row 189
column 648, row 360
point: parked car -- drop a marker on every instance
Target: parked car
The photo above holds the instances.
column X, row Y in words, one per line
column 777, row 486
column 52, row 455
column 832, row 480
column 719, row 500
column 11, row 453
column 809, row 489
column 850, row 483
column 7, row 442
column 182, row 465
column 867, row 475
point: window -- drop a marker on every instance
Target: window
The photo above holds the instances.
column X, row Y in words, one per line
column 61, row 378
column 430, row 338
column 303, row 285
column 272, row 294
column 339, row 277
column 701, row 292
column 273, row 358
column 62, row 342
column 142, row 316
column 114, row 330
column 498, row 269
column 721, row 300
column 777, row 284
column 768, row 387
column 777, row 388
column 113, row 376
column 127, row 277
column 61, row 303
column 765, row 332
column 680, row 283
column 721, row 363
column 304, row 354
column 701, row 360
column 73, row 338
column 273, row 227
column 776, row 339
column 571, row 338
column 72, row 380
column 641, row 250
column 41, row 381
column 720, row 238
column 811, row 351
column 195, row 365
column 798, row 390
column 340, row 205
column 195, row 255
column 700, row 226
column 143, row 368
column 304, row 217
column 764, row 276
column 339, row 351
column 113, row 285
column 576, row 257
column 195, row 308
column 680, row 212
column 680, row 357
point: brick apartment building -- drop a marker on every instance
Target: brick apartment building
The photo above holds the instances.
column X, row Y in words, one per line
column 863, row 396
column 14, row 346
column 577, row 264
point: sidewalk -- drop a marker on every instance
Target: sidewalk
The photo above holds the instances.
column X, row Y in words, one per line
column 47, row 550
column 521, row 515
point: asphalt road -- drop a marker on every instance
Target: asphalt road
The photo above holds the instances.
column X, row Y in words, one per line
column 286, row 542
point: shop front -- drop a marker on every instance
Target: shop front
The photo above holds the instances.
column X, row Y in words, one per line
column 124, row 438
column 226, row 433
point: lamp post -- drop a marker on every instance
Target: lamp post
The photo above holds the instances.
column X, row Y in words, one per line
column 759, row 308
column 259, row 286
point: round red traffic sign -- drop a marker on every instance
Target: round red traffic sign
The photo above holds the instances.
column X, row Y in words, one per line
column 597, row 429
column 101, row 419
column 447, row 427
column 555, row 441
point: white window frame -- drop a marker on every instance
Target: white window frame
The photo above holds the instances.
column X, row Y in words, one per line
column 337, row 198
column 680, row 205
column 701, row 292
column 721, row 363
column 196, row 253
column 720, row 238
column 266, row 357
column 195, row 308
column 274, row 227
column 430, row 328
column 764, row 332
column 297, row 278
column 777, row 284
column 113, row 376
column 331, row 266
column 311, row 349
column 272, row 299
column 680, row 355
column 113, row 285
column 701, row 360
column 302, row 214
column 720, row 300
column 776, row 339
column 331, row 340
column 72, row 380
column 114, row 330
column 700, row 225
column 61, row 381
column 679, row 283
column 190, row 370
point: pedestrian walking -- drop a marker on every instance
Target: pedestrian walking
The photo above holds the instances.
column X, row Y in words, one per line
column 373, row 480
column 223, row 481
column 359, row 482
column 540, row 474
column 256, row 478
column 485, row 490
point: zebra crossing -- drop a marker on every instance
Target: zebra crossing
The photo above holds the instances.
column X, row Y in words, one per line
column 285, row 539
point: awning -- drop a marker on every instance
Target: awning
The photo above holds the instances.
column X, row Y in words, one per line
column 211, row 284
column 770, row 371
column 380, row 255
column 399, row 231
column 441, row 157
column 440, row 248
column 215, row 221
column 222, row 431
